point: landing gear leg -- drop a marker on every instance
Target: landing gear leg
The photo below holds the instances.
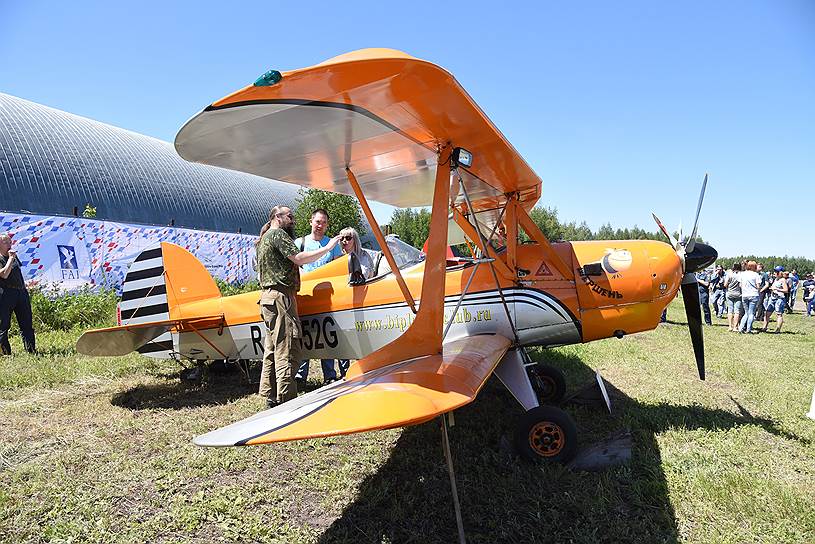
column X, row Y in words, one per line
column 548, row 382
column 544, row 433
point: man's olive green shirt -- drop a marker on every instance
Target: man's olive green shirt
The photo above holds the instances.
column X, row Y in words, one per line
column 274, row 266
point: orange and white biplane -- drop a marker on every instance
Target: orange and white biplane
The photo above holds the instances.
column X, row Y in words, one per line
column 427, row 331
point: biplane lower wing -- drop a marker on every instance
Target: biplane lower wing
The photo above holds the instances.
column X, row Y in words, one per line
column 403, row 393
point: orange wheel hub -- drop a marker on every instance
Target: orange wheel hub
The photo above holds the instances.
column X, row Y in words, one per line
column 546, row 439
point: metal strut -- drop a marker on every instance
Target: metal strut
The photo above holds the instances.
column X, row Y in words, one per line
column 445, row 442
column 483, row 243
column 464, row 292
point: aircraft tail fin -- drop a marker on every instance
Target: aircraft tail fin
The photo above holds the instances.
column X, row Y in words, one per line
column 159, row 281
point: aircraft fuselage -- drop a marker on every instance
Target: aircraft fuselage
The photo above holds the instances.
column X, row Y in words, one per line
column 625, row 291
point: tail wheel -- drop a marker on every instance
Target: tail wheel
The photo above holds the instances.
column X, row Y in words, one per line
column 548, row 382
column 547, row 434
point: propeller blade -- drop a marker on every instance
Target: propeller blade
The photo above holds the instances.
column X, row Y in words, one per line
column 692, row 241
column 664, row 231
column 693, row 311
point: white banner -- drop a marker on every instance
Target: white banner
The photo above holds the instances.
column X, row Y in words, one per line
column 70, row 252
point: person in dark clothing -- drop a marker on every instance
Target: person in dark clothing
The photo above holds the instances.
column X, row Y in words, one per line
column 703, row 280
column 809, row 294
column 763, row 291
column 718, row 289
column 13, row 298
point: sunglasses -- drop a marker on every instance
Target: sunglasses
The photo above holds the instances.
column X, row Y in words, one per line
column 347, row 238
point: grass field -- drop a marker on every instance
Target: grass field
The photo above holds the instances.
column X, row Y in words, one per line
column 99, row 450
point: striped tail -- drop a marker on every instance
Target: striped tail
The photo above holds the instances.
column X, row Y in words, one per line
column 159, row 281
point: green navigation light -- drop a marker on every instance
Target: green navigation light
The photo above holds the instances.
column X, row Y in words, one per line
column 269, row 78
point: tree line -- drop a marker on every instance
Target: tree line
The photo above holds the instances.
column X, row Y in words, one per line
column 413, row 227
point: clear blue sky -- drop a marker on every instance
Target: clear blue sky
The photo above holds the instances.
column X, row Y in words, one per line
column 620, row 107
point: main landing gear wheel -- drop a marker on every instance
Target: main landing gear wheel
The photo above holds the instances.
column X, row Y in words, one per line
column 546, row 434
column 548, row 382
column 193, row 373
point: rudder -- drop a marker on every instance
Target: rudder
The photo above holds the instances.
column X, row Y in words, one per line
column 159, row 281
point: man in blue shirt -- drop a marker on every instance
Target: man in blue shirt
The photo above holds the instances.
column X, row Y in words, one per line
column 316, row 240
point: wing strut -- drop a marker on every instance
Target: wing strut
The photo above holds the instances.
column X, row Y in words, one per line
column 484, row 243
column 386, row 251
column 423, row 336
column 466, row 289
column 468, row 229
column 445, row 442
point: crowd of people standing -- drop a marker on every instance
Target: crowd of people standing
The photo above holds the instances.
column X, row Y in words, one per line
column 746, row 293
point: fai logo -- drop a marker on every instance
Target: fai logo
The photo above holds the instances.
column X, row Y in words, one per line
column 67, row 262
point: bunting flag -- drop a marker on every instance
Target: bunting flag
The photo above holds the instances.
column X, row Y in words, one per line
column 71, row 252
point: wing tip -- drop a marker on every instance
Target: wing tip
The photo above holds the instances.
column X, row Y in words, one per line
column 208, row 440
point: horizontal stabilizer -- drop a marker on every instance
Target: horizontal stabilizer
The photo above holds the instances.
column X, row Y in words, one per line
column 402, row 393
column 120, row 340
column 127, row 338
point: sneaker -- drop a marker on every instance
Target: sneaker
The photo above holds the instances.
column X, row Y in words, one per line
column 271, row 403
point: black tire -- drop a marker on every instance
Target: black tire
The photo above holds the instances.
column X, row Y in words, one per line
column 193, row 374
column 546, row 434
column 548, row 382
column 221, row 366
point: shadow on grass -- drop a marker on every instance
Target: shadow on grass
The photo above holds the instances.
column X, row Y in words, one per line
column 685, row 323
column 219, row 384
column 783, row 331
column 217, row 387
column 504, row 499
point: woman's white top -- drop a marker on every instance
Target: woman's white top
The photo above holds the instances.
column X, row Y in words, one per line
column 749, row 281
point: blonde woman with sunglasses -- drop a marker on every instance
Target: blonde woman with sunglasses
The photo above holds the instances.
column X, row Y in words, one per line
column 350, row 244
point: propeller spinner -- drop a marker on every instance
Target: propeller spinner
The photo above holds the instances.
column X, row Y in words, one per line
column 694, row 256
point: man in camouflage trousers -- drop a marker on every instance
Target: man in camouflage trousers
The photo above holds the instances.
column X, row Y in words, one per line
column 278, row 261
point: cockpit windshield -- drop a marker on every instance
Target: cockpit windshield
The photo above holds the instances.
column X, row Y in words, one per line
column 404, row 254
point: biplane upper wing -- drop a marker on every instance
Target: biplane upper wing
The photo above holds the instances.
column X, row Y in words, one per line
column 399, row 394
column 379, row 112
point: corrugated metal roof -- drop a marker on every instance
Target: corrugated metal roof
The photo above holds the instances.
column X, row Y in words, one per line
column 52, row 161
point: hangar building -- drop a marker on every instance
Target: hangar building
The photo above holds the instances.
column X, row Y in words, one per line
column 53, row 163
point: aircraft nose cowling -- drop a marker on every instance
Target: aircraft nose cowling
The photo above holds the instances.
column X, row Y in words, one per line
column 700, row 258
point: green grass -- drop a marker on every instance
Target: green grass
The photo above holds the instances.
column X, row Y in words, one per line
column 98, row 450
